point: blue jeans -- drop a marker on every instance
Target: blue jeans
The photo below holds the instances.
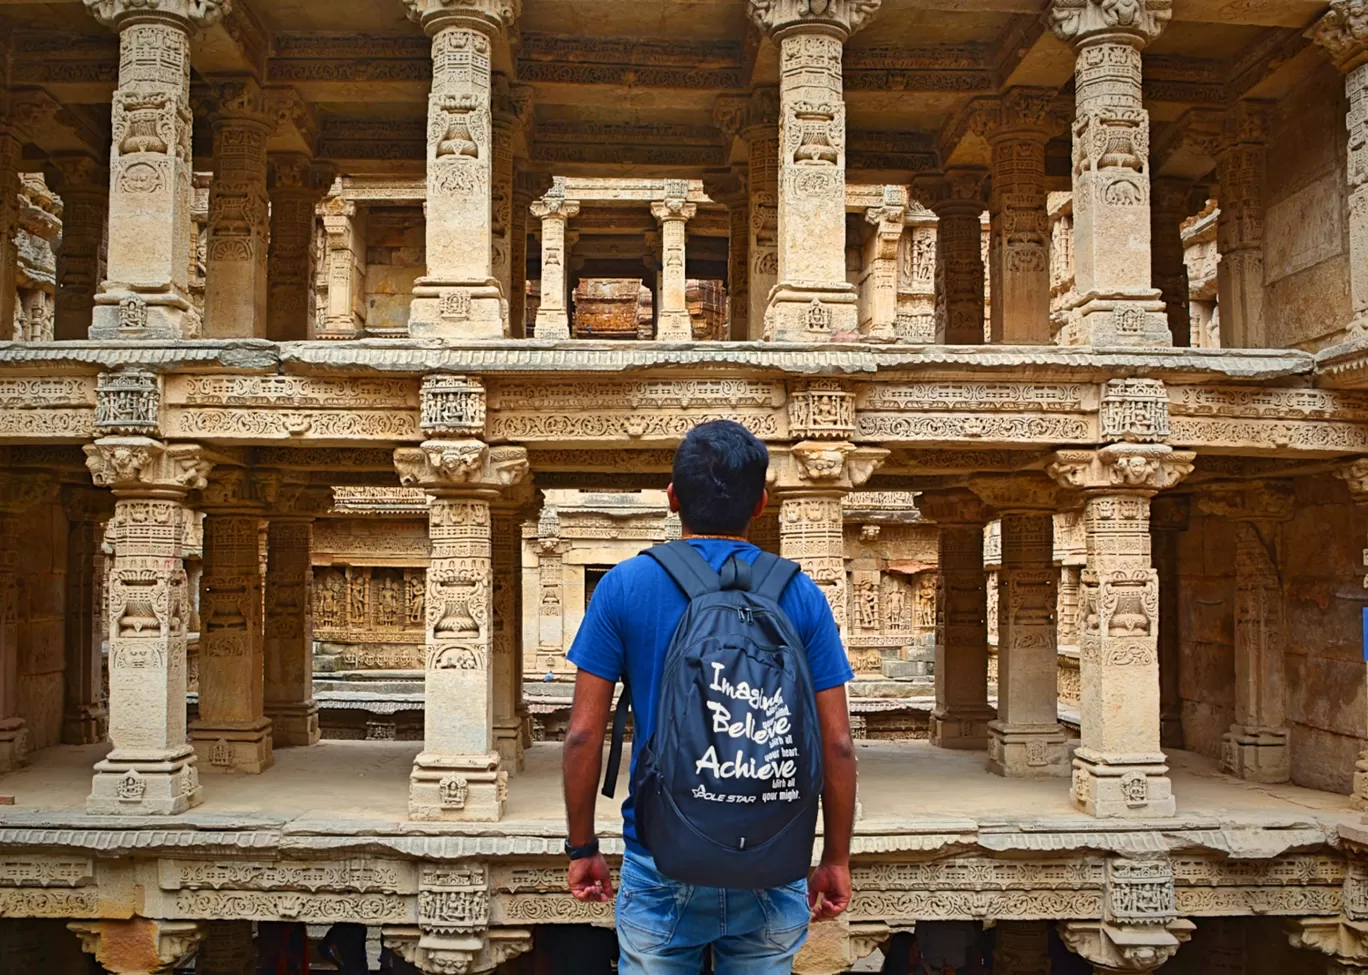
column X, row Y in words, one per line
column 664, row 926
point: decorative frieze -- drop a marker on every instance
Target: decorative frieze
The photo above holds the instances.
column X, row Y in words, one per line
column 1134, row 410
column 821, row 409
column 291, row 408
column 128, row 403
column 453, row 405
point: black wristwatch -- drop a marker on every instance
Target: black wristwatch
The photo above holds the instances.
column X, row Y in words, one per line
column 589, row 849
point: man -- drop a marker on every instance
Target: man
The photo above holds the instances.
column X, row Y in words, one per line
column 664, row 926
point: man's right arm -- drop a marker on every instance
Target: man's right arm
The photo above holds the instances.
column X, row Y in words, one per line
column 829, row 885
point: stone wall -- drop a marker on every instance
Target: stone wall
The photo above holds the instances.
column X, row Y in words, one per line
column 40, row 609
column 395, row 258
column 1206, row 608
column 1306, row 260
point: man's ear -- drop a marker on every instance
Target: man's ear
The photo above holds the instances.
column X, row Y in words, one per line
column 670, row 496
column 759, row 505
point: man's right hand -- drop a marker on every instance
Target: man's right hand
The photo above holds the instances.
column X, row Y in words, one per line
column 590, row 880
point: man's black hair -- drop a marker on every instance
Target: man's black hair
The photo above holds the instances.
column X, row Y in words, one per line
column 719, row 475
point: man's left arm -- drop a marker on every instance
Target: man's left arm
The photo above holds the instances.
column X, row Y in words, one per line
column 589, row 879
column 829, row 885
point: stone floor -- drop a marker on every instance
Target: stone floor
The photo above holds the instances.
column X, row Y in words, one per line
column 904, row 786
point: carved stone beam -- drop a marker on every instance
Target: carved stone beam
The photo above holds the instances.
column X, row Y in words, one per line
column 460, row 466
column 1023, row 492
column 47, row 123
column 1249, row 501
column 1189, row 146
column 1120, row 948
column 822, row 466
column 139, row 946
column 842, row 17
column 1345, row 941
column 141, row 466
column 1343, row 32
column 954, row 506
column 1122, row 468
column 297, row 125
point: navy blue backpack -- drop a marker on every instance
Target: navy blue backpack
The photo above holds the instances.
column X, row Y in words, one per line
column 727, row 785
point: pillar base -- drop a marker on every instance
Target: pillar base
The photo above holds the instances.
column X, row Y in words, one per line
column 809, row 312
column 965, row 728
column 448, row 788
column 1111, row 786
column 294, row 725
column 673, row 326
column 13, row 744
column 1137, row 320
column 1027, row 751
column 245, row 749
column 88, row 725
column 454, row 309
column 1257, row 754
column 142, row 786
column 553, row 323
column 121, row 313
column 508, row 739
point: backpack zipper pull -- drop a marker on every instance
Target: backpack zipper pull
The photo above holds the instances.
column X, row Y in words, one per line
column 746, row 615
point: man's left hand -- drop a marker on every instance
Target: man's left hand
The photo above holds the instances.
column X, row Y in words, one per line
column 829, row 890
column 590, row 880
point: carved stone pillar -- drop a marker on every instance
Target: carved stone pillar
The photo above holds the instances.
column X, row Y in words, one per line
column 1120, row 769
column 232, row 733
column 554, row 211
column 730, row 189
column 1240, row 226
column 1257, row 746
column 18, row 493
column 295, row 188
column 83, row 183
column 1169, row 207
column 757, row 122
column 1027, row 738
column 239, row 214
column 879, row 305
column 527, row 186
column 672, row 316
column 1355, row 476
column 956, row 200
column 1023, row 948
column 344, row 254
column 459, row 296
column 1019, row 252
column 228, row 949
column 1125, row 949
column 288, row 699
column 809, row 480
column 508, row 513
column 458, row 774
column 85, row 720
column 145, row 291
column 1116, row 304
column 139, row 946
column 11, row 148
column 961, row 715
column 1168, row 517
column 1343, row 32
column 812, row 300
column 152, row 768
column 512, row 109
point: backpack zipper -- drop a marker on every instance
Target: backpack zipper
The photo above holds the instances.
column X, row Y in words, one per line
column 746, row 615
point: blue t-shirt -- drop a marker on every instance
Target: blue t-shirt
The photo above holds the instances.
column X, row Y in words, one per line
column 632, row 617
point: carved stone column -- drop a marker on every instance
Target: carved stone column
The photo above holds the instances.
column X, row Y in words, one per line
column 11, row 148
column 152, row 768
column 145, row 291
column 1355, row 476
column 139, row 946
column 1116, row 304
column 1240, row 226
column 239, row 214
column 232, row 733
column 1257, row 747
column 85, row 720
column 1343, row 32
column 1125, row 949
column 295, row 187
column 1120, row 769
column 527, row 186
column 961, row 715
column 83, row 183
column 228, row 948
column 554, row 210
column 288, row 699
column 808, row 481
column 459, row 295
column 458, row 774
column 812, row 301
column 1023, row 948
column 1169, row 517
column 18, row 494
column 879, row 307
column 1169, row 207
column 672, row 316
column 344, row 251
column 1027, row 738
column 755, row 118
column 512, row 109
column 956, row 200
column 730, row 189
column 508, row 513
column 1019, row 253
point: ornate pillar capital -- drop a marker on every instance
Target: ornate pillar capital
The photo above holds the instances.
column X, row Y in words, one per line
column 461, row 466
column 238, row 99
column 727, row 186
column 490, row 16
column 840, row 17
column 554, row 207
column 143, row 466
column 236, row 489
column 1355, row 476
column 1118, row 948
column 1344, row 940
column 1026, row 113
column 1343, row 32
column 1024, row 493
column 673, row 209
column 186, row 14
column 441, row 953
column 953, row 506
column 957, row 190
column 1133, row 22
column 822, row 466
column 1123, row 468
column 139, row 946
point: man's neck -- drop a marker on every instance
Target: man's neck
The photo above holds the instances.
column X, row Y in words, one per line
column 727, row 538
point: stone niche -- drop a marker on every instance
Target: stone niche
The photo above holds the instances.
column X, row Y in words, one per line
column 395, row 258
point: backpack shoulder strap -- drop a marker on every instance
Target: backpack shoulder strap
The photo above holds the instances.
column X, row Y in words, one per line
column 690, row 571
column 770, row 575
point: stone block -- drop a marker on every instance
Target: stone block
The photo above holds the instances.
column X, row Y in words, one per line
column 387, row 311
column 903, row 669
